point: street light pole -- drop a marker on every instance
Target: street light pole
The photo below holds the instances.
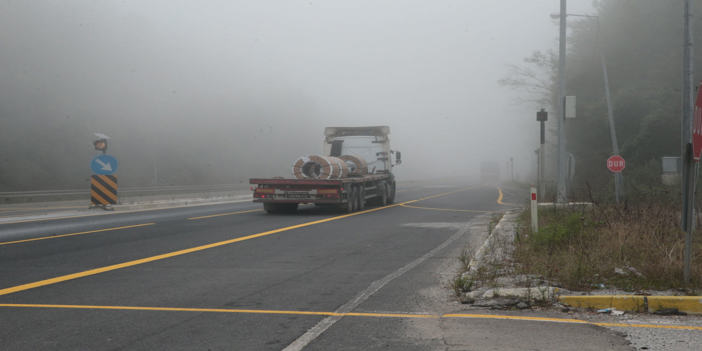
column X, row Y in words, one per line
column 612, row 132
column 618, row 182
column 561, row 184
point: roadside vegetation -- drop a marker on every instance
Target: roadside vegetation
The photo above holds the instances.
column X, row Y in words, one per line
column 633, row 247
column 636, row 245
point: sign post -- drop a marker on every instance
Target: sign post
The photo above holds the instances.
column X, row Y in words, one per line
column 690, row 168
column 103, row 184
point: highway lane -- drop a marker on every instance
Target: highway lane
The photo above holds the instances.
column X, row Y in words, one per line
column 317, row 267
column 156, row 232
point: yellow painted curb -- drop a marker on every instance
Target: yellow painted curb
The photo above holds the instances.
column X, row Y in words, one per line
column 621, row 302
column 636, row 303
column 688, row 304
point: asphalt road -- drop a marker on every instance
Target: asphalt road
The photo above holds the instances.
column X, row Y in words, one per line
column 230, row 277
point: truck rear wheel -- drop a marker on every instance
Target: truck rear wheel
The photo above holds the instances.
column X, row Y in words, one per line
column 351, row 200
column 391, row 193
column 361, row 198
column 383, row 194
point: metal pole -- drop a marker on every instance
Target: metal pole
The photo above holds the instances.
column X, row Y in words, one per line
column 610, row 115
column 561, row 184
column 537, row 152
column 689, row 169
column 534, row 211
column 542, row 165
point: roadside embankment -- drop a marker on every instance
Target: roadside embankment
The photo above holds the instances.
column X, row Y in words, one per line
column 590, row 257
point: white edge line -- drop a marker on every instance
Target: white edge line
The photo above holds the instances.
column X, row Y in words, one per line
column 317, row 330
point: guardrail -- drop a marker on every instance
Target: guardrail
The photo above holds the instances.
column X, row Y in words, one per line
column 124, row 192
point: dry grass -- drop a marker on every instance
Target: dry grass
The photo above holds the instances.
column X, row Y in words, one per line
column 634, row 247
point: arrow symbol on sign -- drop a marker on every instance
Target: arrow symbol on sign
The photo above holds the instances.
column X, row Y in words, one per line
column 105, row 166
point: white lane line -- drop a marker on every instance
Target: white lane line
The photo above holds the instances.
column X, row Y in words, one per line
column 349, row 306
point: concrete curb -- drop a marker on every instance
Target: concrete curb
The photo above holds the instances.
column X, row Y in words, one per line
column 636, row 303
column 127, row 208
column 166, row 204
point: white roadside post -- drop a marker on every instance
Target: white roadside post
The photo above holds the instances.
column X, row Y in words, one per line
column 534, row 211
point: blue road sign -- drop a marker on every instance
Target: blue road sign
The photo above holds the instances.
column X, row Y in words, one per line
column 104, row 164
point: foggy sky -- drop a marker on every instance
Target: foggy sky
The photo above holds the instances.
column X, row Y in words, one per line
column 230, row 81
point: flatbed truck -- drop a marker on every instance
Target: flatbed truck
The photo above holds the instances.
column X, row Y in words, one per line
column 351, row 193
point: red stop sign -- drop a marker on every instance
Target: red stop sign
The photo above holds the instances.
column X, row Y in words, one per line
column 616, row 163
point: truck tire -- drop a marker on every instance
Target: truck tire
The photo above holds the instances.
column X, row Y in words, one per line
column 361, row 198
column 383, row 194
column 350, row 204
column 391, row 193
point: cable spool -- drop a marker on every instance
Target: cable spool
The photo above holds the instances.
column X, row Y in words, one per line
column 357, row 166
column 319, row 167
column 298, row 165
column 325, row 170
column 339, row 169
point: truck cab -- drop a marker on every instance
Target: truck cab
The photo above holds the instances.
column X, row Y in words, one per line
column 370, row 143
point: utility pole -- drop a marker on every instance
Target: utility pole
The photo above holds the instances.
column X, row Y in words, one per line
column 561, row 165
column 689, row 167
column 618, row 184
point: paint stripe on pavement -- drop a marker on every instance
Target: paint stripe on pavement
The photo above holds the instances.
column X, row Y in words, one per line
column 74, row 234
column 356, row 314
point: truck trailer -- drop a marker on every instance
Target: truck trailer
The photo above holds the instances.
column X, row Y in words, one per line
column 375, row 186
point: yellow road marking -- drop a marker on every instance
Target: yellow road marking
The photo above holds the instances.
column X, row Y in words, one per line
column 444, row 209
column 113, row 267
column 501, row 196
column 225, row 214
column 73, row 234
column 222, row 310
column 521, row 318
column 357, row 314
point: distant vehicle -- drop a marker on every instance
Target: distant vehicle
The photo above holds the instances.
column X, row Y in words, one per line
column 489, row 172
column 368, row 180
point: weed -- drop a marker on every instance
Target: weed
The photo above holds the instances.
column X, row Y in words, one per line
column 465, row 258
column 633, row 247
column 462, row 284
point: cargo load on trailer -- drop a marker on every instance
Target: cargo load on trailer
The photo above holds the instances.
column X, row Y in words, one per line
column 355, row 169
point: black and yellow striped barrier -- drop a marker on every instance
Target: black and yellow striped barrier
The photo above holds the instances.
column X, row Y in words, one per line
column 103, row 190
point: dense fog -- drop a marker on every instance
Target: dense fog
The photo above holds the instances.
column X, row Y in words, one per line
column 212, row 92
